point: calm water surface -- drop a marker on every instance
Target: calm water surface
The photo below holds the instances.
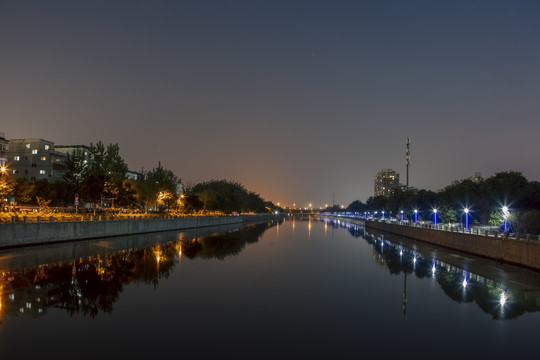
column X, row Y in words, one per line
column 301, row 288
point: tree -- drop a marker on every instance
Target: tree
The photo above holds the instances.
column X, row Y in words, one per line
column 227, row 196
column 76, row 168
column 7, row 186
column 23, row 190
column 159, row 187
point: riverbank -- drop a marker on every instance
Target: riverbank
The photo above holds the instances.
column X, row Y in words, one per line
column 27, row 234
column 518, row 252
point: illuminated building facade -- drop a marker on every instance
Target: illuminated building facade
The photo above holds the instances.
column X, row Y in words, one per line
column 386, row 181
column 35, row 159
column 70, row 149
column 4, row 147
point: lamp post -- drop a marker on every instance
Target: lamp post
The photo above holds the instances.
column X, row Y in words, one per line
column 383, row 215
column 401, row 215
column 466, row 219
column 505, row 214
column 435, row 217
column 415, row 216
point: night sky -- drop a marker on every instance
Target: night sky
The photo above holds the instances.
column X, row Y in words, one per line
column 296, row 100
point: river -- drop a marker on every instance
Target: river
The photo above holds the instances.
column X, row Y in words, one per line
column 294, row 288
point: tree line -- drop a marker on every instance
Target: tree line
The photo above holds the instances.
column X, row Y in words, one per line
column 484, row 198
column 100, row 178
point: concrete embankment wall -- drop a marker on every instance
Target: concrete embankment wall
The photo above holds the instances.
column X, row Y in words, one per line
column 24, row 234
column 519, row 252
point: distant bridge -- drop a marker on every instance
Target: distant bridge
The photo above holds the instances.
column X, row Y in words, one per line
column 301, row 211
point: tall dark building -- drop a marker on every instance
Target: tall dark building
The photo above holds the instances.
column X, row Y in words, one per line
column 386, row 181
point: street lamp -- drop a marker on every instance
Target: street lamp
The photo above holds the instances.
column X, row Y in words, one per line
column 415, row 216
column 435, row 216
column 401, row 215
column 383, row 215
column 505, row 214
column 466, row 219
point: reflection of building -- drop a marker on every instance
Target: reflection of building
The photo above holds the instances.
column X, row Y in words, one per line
column 29, row 302
column 35, row 159
column 386, row 181
column 4, row 146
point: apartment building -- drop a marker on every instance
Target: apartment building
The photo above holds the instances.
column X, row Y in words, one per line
column 35, row 159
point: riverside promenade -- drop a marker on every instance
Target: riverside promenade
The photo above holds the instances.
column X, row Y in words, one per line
column 510, row 250
column 26, row 234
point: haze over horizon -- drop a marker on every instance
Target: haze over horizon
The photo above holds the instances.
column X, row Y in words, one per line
column 296, row 100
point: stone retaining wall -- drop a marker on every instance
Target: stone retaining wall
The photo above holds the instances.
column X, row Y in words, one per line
column 23, row 234
column 519, row 252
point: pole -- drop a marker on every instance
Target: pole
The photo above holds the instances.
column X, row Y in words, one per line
column 407, row 160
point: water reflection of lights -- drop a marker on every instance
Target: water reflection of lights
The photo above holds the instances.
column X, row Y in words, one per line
column 472, row 286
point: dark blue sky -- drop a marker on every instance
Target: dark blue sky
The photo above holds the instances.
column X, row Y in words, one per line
column 296, row 100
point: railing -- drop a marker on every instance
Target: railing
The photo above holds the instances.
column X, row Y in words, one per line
column 473, row 230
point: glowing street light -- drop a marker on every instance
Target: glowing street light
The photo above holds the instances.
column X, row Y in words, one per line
column 383, row 215
column 502, row 299
column 505, row 214
column 466, row 219
column 435, row 216
column 401, row 215
column 415, row 216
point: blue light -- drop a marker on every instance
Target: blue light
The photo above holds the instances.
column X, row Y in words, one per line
column 435, row 216
column 505, row 214
column 466, row 219
column 415, row 216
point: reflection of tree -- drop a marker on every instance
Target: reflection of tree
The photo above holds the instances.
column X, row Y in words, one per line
column 223, row 245
column 484, row 292
column 93, row 285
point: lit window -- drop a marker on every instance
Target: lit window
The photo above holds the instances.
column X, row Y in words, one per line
column 17, row 158
column 46, row 147
column 27, row 146
column 42, row 172
column 34, row 151
column 43, row 158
